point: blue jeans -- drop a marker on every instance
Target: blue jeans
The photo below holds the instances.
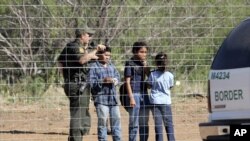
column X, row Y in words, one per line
column 115, row 122
column 163, row 113
column 139, row 117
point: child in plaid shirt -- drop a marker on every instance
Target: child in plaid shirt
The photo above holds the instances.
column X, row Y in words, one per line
column 103, row 78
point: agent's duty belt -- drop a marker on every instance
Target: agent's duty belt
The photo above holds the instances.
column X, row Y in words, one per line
column 75, row 80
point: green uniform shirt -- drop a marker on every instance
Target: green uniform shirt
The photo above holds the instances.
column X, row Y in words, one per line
column 69, row 57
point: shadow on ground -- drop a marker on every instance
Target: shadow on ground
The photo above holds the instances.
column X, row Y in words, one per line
column 30, row 132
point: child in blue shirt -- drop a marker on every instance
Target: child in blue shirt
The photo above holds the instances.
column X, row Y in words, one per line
column 161, row 81
column 103, row 77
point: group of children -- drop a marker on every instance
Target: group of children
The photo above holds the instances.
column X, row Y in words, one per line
column 103, row 78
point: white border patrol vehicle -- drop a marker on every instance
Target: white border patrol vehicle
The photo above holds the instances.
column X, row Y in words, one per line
column 229, row 86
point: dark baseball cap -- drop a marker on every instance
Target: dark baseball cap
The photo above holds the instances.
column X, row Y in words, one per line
column 80, row 31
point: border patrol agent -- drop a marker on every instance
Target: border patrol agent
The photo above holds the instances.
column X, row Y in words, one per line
column 73, row 64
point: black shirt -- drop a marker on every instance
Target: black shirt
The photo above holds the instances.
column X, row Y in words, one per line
column 69, row 57
column 134, row 69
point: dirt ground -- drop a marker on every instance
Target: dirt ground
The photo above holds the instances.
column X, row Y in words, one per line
column 48, row 119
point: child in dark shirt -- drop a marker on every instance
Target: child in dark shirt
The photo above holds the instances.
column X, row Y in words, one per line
column 135, row 71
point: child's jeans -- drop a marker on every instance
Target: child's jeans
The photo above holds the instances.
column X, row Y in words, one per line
column 139, row 117
column 163, row 113
column 103, row 112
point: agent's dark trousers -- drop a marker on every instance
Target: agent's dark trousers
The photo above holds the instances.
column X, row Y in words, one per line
column 80, row 120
